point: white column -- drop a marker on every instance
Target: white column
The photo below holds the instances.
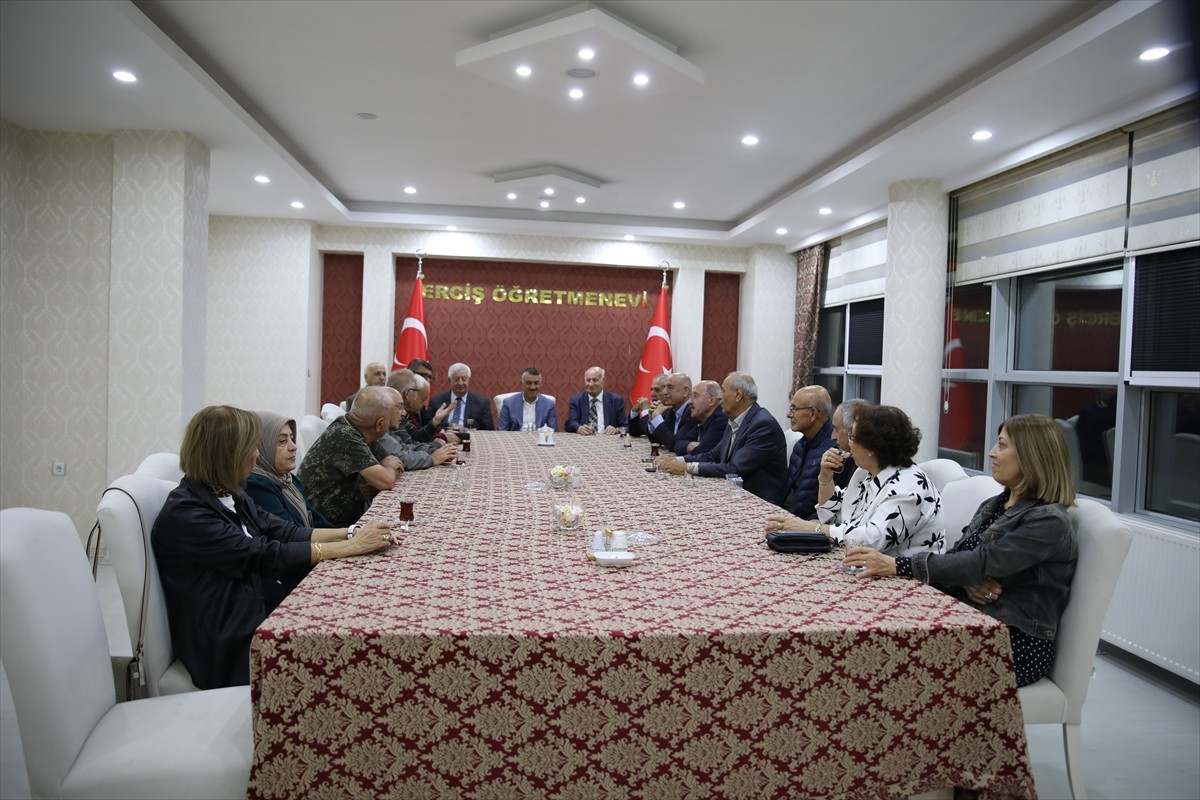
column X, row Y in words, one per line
column 687, row 319
column 767, row 322
column 914, row 307
column 379, row 306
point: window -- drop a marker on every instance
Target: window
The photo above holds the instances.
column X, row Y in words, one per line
column 1173, row 479
column 1166, row 297
column 970, row 327
column 849, row 358
column 866, row 333
column 963, row 434
column 1071, row 321
column 1088, row 418
column 831, row 337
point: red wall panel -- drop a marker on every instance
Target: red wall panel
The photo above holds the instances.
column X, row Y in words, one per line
column 722, row 299
column 341, row 326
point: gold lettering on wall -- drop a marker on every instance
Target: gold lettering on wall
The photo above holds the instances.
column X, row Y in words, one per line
column 516, row 294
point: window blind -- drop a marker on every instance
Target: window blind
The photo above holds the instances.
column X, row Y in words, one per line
column 856, row 266
column 1166, row 328
column 1164, row 195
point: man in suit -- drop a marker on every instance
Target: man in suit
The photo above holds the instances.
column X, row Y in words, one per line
column 672, row 417
column 465, row 405
column 529, row 407
column 753, row 446
column 594, row 410
column 421, row 367
column 810, row 413
column 639, row 414
column 707, row 411
column 374, row 374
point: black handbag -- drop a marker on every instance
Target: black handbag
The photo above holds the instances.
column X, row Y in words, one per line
column 799, row 542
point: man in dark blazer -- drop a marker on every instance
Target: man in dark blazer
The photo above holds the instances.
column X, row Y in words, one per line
column 639, row 413
column 753, row 446
column 673, row 417
column 467, row 405
column 609, row 416
column 712, row 421
column 512, row 410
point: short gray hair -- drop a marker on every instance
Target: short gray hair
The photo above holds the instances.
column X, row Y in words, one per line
column 598, row 369
column 458, row 366
column 745, row 382
column 372, row 403
column 849, row 408
column 710, row 388
column 402, row 380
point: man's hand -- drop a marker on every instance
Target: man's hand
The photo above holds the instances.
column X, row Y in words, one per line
column 444, row 411
column 585, row 430
column 451, row 437
column 443, row 454
column 671, row 465
column 391, row 462
column 642, row 404
column 612, row 430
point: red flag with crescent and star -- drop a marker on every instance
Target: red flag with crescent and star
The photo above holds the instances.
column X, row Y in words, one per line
column 656, row 353
column 413, row 343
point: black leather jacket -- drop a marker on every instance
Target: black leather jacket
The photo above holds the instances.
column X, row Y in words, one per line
column 1030, row 549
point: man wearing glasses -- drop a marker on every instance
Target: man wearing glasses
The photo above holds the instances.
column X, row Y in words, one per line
column 810, row 414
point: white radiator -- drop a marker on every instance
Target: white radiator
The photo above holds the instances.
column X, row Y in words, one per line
column 1155, row 611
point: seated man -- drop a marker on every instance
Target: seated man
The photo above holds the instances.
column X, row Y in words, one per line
column 594, row 409
column 529, row 408
column 673, row 415
column 425, row 369
column 398, row 442
column 706, row 410
column 467, row 409
column 339, row 470
column 810, row 413
column 415, row 391
column 374, row 374
column 639, row 414
column 753, row 446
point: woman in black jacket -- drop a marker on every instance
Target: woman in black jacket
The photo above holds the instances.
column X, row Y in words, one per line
column 218, row 553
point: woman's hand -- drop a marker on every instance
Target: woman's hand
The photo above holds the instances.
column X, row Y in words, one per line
column 371, row 537
column 780, row 521
column 874, row 564
column 986, row 592
column 832, row 461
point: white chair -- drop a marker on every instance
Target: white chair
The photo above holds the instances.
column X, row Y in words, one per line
column 127, row 511
column 311, row 429
column 960, row 499
column 1058, row 698
column 78, row 741
column 942, row 471
column 790, row 437
column 331, row 411
column 161, row 465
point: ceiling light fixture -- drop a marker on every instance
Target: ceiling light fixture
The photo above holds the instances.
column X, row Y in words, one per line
column 629, row 237
column 544, row 204
column 261, row 179
column 451, row 227
column 749, row 140
column 780, row 231
column 125, row 77
column 366, row 115
column 549, row 190
column 576, row 93
column 679, row 204
column 981, row 136
column 825, row 211
column 1154, row 54
column 297, row 204
column 581, row 199
column 524, row 71
column 512, row 195
column 641, row 79
column 581, row 73
column 410, row 190
column 587, row 54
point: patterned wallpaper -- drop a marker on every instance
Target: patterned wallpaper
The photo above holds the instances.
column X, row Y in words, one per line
column 55, row 227
column 768, row 317
column 341, row 327
column 722, row 294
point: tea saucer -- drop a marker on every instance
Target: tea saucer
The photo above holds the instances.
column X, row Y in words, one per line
column 614, row 558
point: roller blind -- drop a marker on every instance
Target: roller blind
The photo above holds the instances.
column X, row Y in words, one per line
column 1164, row 195
column 1166, row 298
column 856, row 265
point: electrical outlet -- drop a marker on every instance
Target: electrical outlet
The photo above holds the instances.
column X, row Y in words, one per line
column 58, row 469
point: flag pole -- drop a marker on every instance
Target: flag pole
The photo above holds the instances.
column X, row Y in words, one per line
column 666, row 265
column 420, row 254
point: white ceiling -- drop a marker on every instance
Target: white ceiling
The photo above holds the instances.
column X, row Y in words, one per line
column 846, row 97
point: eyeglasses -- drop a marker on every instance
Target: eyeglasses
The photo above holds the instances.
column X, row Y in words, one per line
column 794, row 409
column 850, row 437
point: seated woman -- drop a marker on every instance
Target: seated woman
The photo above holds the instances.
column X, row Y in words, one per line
column 271, row 484
column 889, row 504
column 1017, row 556
column 217, row 552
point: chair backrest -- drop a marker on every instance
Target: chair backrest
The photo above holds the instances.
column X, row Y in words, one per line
column 960, row 499
column 52, row 641
column 127, row 536
column 942, row 471
column 498, row 400
column 791, row 437
column 161, row 465
column 331, row 411
column 1072, row 437
column 311, row 429
column 1103, row 542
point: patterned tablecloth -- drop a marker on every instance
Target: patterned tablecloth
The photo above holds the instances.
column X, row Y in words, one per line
column 486, row 657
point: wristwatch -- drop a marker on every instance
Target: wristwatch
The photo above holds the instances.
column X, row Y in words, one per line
column 350, row 531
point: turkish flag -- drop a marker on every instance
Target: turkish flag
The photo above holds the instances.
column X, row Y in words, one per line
column 413, row 343
column 656, row 354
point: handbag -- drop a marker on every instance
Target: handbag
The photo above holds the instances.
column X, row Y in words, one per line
column 799, row 542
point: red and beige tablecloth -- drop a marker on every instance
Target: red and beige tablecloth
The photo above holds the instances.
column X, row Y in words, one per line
column 486, row 657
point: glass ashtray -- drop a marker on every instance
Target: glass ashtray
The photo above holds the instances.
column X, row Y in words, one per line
column 642, row 538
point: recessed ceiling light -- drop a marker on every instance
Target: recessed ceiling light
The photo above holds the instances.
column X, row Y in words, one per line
column 129, row 77
column 1154, row 54
column 679, row 204
column 261, row 179
column 581, row 199
column 451, row 227
column 641, row 79
column 750, row 140
column 410, row 190
column 587, row 54
column 575, row 94
column 581, row 73
column 981, row 136
column 629, row 237
column 549, row 190
column 780, row 231
column 524, row 71
column 512, row 195
column 825, row 211
column 366, row 115
column 544, row 204
column 297, row 204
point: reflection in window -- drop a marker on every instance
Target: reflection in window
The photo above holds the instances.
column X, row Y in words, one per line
column 831, row 337
column 1088, row 417
column 1173, row 478
column 1070, row 322
column 833, row 383
column 961, row 434
column 970, row 327
column 869, row 388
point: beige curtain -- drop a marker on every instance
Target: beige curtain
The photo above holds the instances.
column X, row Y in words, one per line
column 810, row 271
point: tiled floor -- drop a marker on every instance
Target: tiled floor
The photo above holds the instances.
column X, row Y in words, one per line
column 1141, row 730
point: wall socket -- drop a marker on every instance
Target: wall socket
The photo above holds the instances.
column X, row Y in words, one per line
column 58, row 469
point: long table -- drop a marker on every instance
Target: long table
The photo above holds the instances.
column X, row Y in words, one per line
column 487, row 657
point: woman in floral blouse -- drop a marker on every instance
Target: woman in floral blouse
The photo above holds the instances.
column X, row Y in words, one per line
column 889, row 504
